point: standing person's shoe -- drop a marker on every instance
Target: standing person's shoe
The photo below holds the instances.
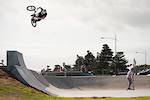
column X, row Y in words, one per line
column 129, row 89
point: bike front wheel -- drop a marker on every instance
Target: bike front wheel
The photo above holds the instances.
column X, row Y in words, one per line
column 31, row 8
column 33, row 22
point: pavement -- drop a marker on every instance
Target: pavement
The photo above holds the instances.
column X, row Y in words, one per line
column 107, row 93
column 76, row 86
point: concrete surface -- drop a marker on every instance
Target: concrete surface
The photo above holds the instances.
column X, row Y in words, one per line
column 98, row 82
column 76, row 86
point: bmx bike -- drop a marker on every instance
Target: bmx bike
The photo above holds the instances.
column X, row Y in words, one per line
column 33, row 21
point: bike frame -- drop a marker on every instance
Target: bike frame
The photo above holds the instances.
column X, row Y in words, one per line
column 32, row 8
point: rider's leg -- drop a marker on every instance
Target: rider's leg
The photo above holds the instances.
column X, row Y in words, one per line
column 36, row 19
column 35, row 14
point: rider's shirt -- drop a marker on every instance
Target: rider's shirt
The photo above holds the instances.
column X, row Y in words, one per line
column 41, row 15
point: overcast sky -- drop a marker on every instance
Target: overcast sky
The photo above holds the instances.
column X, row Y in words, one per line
column 72, row 27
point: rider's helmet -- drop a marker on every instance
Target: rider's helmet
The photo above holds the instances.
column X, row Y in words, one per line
column 44, row 11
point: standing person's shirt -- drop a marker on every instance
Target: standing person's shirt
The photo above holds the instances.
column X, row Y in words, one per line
column 129, row 74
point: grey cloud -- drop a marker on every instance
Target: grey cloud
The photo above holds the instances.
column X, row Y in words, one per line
column 113, row 15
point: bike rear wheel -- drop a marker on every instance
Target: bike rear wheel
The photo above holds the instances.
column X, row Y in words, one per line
column 33, row 22
column 31, row 8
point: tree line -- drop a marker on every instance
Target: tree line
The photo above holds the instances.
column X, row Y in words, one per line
column 103, row 63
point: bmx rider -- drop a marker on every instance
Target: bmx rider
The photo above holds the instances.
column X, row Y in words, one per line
column 41, row 15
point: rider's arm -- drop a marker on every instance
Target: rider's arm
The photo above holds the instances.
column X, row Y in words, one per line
column 39, row 8
column 43, row 16
column 40, row 18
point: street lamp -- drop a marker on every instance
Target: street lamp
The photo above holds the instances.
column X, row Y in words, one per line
column 115, row 46
column 144, row 54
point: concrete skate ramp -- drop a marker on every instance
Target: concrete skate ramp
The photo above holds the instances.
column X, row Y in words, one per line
column 16, row 65
column 66, row 86
column 98, row 82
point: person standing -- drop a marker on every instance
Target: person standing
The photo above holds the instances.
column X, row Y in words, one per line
column 130, row 77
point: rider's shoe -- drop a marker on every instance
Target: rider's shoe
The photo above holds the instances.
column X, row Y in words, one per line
column 33, row 20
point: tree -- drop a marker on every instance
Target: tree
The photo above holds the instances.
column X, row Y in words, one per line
column 78, row 63
column 89, row 59
column 68, row 67
column 87, row 62
column 57, row 67
column 103, row 61
column 120, row 61
column 48, row 68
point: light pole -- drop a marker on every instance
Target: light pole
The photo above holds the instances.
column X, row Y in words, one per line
column 115, row 46
column 144, row 54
